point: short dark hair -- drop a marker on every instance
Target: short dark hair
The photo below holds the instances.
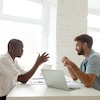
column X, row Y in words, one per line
column 85, row 38
column 14, row 42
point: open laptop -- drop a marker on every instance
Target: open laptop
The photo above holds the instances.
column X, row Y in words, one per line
column 56, row 79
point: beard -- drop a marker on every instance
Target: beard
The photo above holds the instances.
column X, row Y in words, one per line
column 81, row 52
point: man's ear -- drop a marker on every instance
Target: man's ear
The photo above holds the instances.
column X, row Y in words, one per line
column 12, row 48
column 85, row 45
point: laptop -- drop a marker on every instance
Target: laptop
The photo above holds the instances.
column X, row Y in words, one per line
column 56, row 79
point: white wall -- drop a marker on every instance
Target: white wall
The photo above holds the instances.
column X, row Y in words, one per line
column 71, row 20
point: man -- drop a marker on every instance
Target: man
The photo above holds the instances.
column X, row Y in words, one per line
column 11, row 72
column 89, row 71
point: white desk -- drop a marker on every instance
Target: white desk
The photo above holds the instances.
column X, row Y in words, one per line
column 42, row 92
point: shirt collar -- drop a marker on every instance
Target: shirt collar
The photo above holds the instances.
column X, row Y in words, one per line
column 10, row 57
column 91, row 52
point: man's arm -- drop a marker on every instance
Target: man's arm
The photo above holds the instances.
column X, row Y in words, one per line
column 74, row 77
column 86, row 79
column 25, row 77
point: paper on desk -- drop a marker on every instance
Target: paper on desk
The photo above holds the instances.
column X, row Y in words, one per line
column 73, row 84
column 36, row 81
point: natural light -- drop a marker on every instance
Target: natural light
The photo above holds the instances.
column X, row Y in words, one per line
column 29, row 33
column 23, row 8
column 93, row 21
column 93, row 30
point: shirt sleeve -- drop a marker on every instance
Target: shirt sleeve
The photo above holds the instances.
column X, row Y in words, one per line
column 93, row 65
column 18, row 67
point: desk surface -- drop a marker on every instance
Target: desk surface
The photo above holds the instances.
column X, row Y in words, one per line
column 42, row 92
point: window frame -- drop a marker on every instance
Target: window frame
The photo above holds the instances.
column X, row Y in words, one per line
column 91, row 30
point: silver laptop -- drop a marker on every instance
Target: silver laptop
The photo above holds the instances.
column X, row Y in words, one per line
column 56, row 79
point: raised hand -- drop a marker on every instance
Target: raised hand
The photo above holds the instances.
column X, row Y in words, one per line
column 65, row 61
column 42, row 58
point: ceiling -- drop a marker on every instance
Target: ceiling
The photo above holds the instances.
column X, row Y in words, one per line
column 94, row 5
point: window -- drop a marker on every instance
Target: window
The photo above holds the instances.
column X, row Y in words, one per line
column 94, row 30
column 23, row 8
column 22, row 19
column 93, row 21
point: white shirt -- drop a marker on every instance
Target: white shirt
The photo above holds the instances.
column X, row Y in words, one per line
column 9, row 71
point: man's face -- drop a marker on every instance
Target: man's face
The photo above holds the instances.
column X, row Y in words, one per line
column 79, row 48
column 19, row 50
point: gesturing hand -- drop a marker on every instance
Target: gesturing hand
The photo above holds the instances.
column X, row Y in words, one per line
column 42, row 58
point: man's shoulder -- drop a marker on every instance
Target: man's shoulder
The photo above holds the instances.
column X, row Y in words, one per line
column 4, row 57
column 95, row 55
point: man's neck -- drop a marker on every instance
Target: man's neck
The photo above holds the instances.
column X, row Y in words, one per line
column 87, row 52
